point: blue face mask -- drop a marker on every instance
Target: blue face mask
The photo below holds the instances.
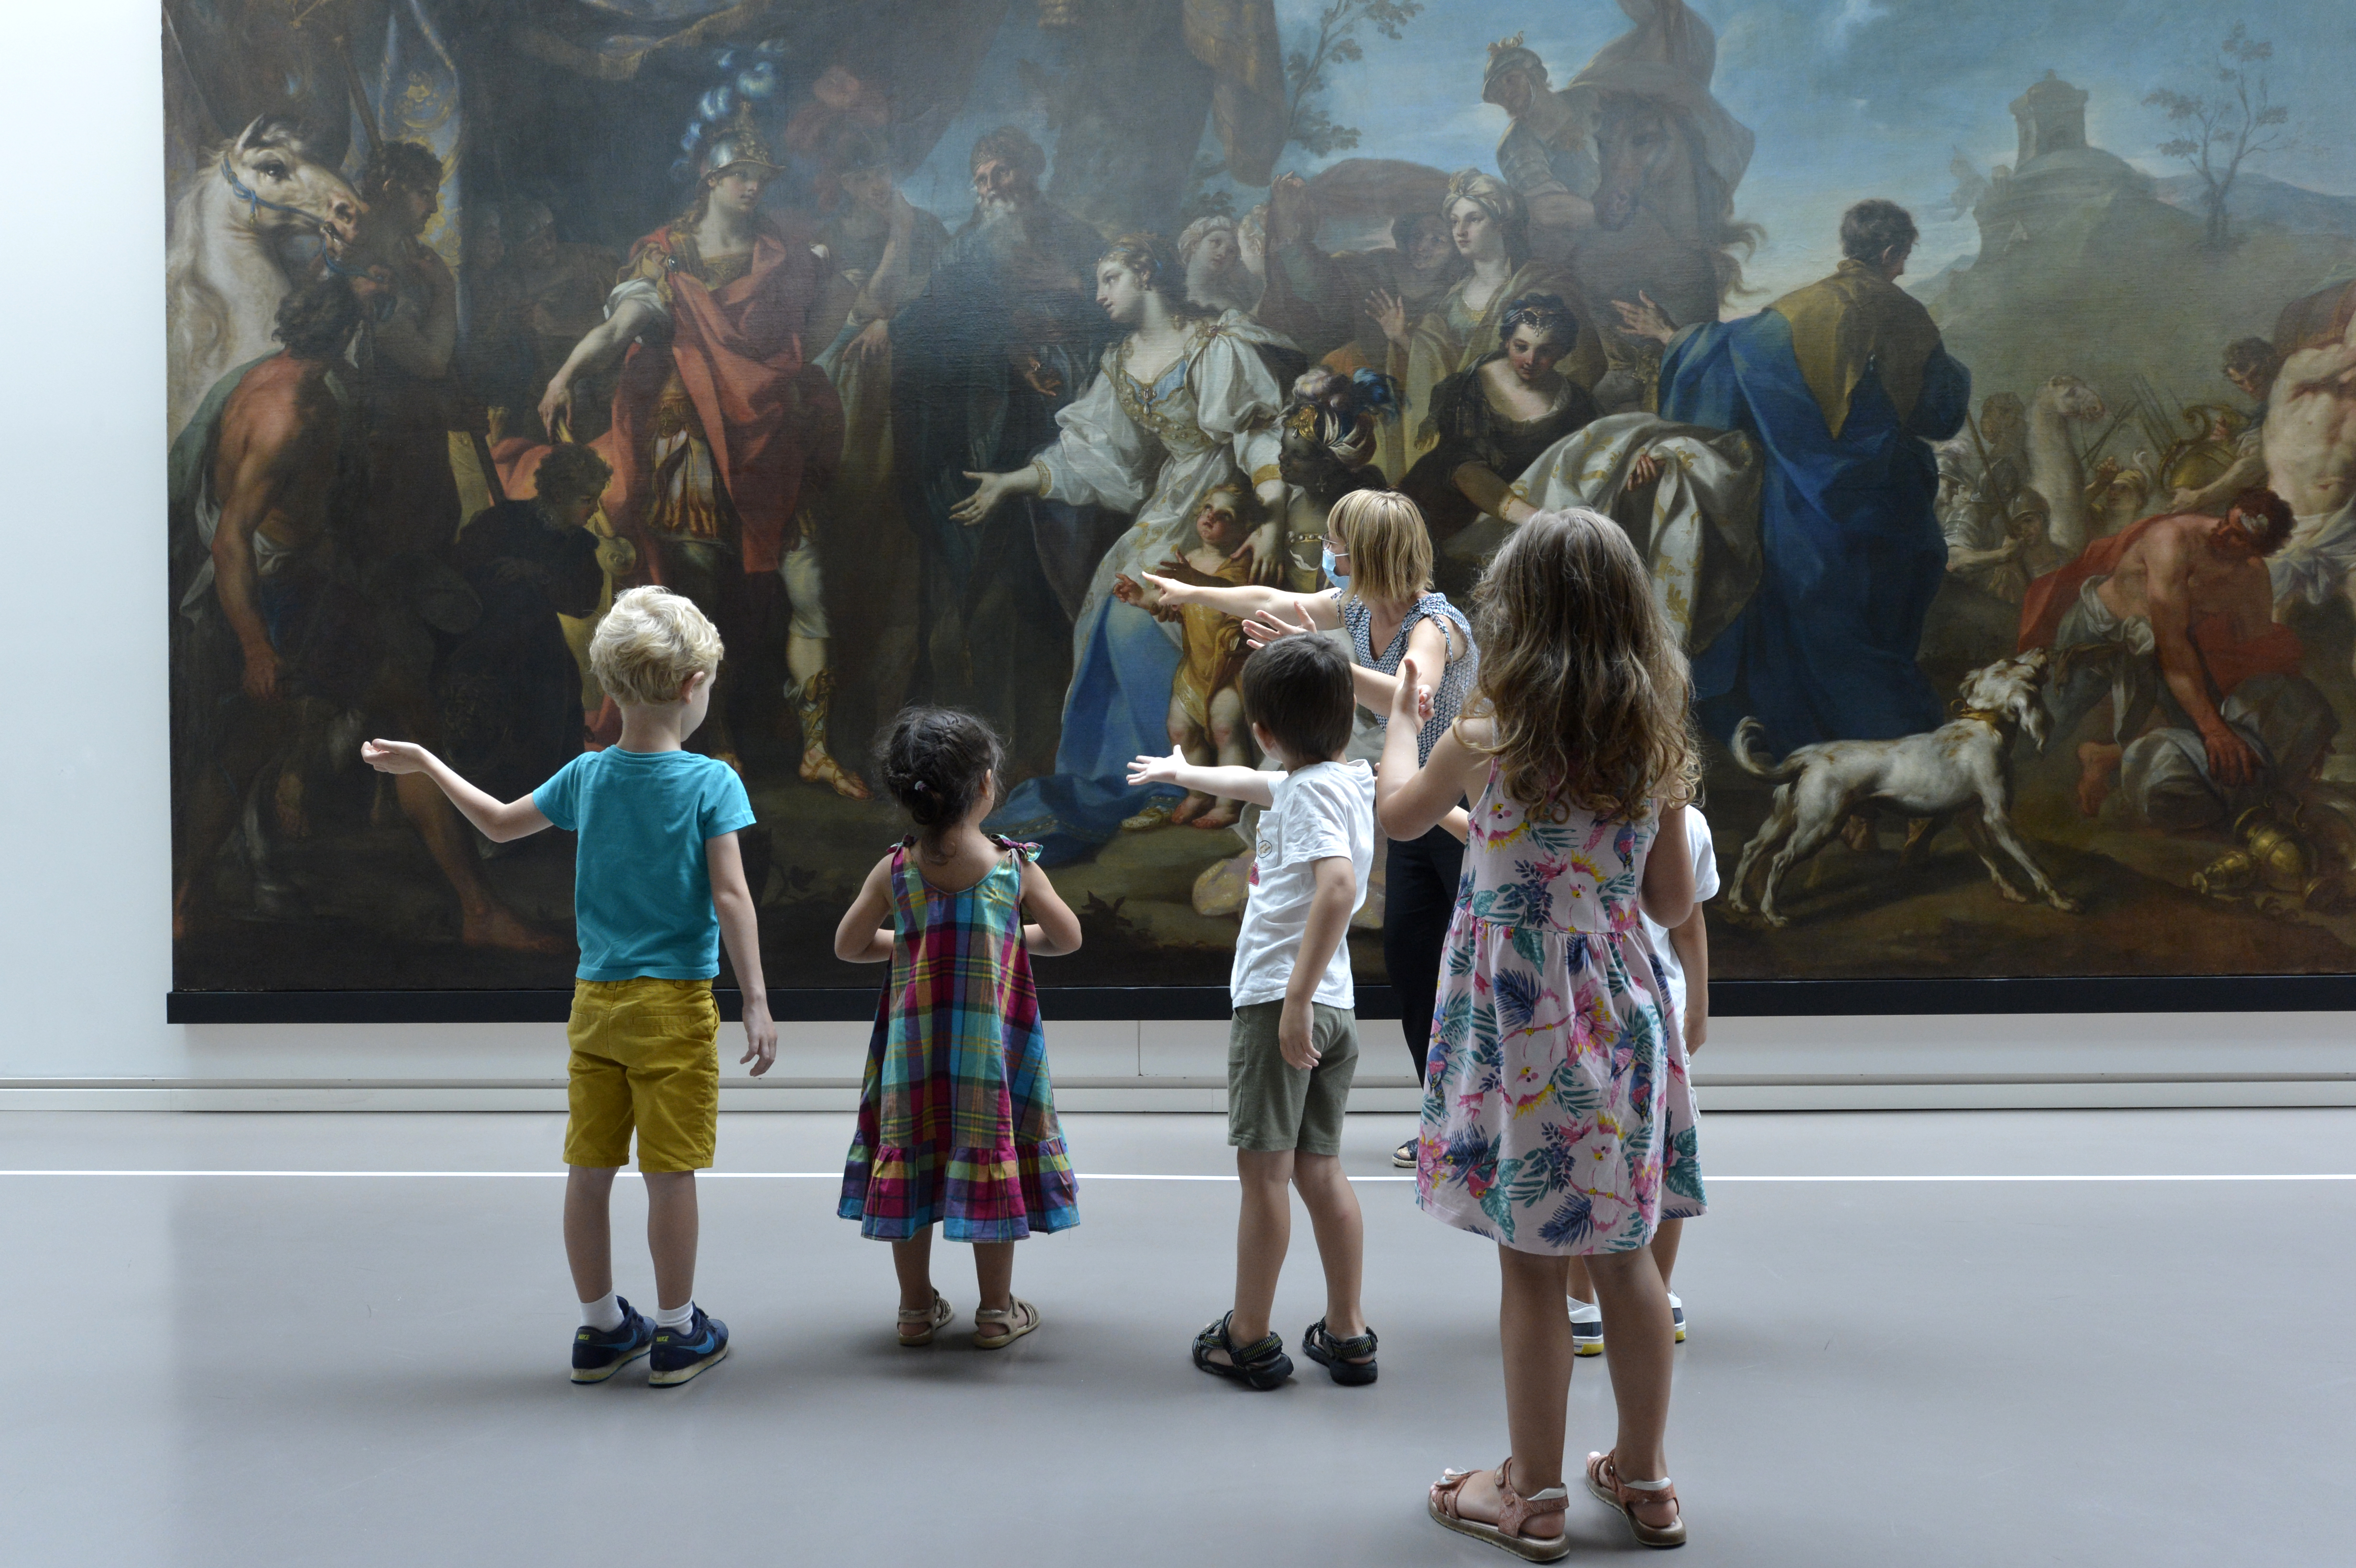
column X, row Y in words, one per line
column 1335, row 574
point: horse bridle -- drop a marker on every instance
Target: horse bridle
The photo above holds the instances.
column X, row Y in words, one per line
column 256, row 204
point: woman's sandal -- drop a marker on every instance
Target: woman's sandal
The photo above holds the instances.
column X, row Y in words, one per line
column 1017, row 1320
column 1351, row 1361
column 1603, row 1480
column 917, row 1327
column 1262, row 1364
column 1513, row 1512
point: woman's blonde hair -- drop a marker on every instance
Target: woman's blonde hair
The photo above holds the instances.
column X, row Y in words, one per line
column 1582, row 678
column 1390, row 550
column 651, row 640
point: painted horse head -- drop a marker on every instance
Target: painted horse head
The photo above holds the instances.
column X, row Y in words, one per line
column 1640, row 146
column 269, row 171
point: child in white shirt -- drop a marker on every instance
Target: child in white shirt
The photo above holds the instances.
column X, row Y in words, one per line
column 1292, row 1045
column 1682, row 953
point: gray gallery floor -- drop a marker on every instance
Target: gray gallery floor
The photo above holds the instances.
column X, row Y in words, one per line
column 317, row 1370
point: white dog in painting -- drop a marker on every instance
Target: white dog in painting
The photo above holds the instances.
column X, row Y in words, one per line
column 1962, row 770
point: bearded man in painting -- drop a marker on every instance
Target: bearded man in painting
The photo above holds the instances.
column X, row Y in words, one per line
column 1004, row 337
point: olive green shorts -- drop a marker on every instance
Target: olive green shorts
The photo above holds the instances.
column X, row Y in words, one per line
column 1276, row 1109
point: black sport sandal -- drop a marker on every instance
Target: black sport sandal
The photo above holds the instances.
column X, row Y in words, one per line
column 1262, row 1364
column 1351, row 1361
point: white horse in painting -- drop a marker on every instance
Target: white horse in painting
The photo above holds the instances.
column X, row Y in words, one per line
column 223, row 274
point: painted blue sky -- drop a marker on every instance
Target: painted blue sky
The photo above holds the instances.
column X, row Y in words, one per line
column 1848, row 98
column 1855, row 98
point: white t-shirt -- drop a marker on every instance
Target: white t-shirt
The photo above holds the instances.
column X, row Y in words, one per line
column 1705, row 870
column 1322, row 811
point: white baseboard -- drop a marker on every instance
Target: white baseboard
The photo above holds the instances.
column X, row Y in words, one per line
column 1389, row 1094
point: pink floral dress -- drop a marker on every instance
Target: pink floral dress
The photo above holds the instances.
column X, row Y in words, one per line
column 1556, row 1117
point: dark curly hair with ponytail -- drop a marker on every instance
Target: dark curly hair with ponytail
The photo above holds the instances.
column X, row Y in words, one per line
column 937, row 762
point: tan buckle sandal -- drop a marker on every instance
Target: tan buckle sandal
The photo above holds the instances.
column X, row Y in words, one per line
column 1017, row 1320
column 1603, row 1480
column 919, row 1326
column 1514, row 1512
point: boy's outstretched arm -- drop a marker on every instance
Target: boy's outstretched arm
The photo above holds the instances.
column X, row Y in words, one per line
column 1057, row 929
column 740, row 929
column 862, row 937
column 1329, row 917
column 499, row 821
column 1249, row 785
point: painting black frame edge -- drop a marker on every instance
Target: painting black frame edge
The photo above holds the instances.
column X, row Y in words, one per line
column 1073, row 1003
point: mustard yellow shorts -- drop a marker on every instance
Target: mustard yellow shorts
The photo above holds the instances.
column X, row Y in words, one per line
column 646, row 1055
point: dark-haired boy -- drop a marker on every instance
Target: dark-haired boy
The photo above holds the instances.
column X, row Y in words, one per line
column 1292, row 1044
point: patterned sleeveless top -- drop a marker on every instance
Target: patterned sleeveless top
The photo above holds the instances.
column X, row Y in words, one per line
column 1573, row 878
column 1456, row 678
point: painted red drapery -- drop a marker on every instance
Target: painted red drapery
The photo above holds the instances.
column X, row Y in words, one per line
column 771, row 417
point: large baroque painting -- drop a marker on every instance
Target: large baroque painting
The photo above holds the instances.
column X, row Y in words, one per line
column 1977, row 377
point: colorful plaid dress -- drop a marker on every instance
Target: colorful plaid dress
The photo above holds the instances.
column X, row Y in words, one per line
column 956, row 1119
column 1556, row 1117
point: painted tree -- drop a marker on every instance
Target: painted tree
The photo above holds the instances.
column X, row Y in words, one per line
column 2224, row 123
column 1308, row 123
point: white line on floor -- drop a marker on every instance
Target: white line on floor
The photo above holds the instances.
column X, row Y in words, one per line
column 1127, row 1176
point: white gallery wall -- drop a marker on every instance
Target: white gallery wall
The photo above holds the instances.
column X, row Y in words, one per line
column 85, row 944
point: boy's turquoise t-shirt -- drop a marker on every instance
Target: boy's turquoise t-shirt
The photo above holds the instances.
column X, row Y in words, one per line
column 641, row 887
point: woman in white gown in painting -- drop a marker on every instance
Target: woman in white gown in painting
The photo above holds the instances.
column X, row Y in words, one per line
column 1181, row 403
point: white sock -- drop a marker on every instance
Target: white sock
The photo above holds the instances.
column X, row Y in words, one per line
column 605, row 1314
column 676, row 1318
column 1585, row 1311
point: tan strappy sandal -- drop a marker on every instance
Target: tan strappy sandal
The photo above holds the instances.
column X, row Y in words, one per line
column 1603, row 1480
column 1514, row 1512
column 1017, row 1320
column 917, row 1327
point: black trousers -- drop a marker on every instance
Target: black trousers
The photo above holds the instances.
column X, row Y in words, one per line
column 1420, row 897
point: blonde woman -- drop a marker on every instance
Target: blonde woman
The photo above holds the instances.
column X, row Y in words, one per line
column 1378, row 556
column 1490, row 228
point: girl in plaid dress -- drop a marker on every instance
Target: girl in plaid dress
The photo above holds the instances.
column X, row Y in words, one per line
column 957, row 1120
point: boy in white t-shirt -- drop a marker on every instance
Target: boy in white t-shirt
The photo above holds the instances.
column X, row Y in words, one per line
column 1683, row 954
column 1292, row 1046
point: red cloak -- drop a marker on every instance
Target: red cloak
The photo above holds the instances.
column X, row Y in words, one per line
column 772, row 417
column 2229, row 662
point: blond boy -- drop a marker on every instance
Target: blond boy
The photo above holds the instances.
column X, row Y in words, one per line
column 657, row 884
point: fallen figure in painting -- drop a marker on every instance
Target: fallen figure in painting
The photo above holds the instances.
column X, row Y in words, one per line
column 1961, row 770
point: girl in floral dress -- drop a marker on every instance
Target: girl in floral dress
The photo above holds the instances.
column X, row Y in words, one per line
column 1556, row 1117
column 957, row 1121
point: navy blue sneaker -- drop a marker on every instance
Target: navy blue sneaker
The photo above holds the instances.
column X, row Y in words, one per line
column 680, row 1353
column 599, row 1353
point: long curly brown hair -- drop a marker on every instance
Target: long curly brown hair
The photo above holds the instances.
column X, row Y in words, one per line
column 1582, row 678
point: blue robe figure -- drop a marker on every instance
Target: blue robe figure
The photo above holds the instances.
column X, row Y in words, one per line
column 1844, row 385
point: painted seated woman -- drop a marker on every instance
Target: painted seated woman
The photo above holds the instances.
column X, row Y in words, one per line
column 1492, row 421
column 1491, row 229
column 1182, row 400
